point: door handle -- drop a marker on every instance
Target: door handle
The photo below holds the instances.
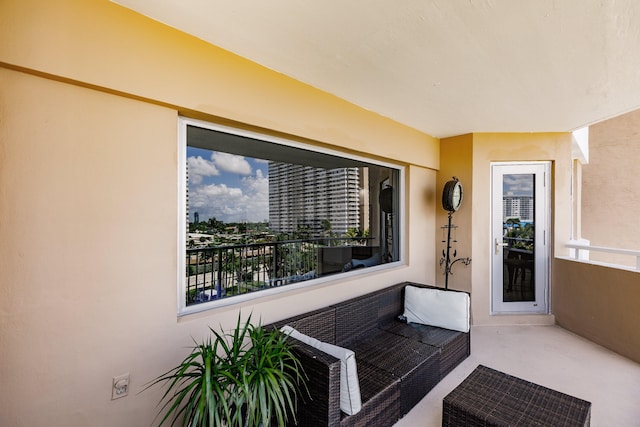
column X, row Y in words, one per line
column 500, row 244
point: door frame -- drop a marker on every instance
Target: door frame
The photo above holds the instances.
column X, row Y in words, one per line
column 541, row 305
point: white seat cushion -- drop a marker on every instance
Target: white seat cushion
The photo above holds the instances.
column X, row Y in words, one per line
column 350, row 400
column 435, row 307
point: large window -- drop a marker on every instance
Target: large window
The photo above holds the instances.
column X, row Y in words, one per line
column 265, row 215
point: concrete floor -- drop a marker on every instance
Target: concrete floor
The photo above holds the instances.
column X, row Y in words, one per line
column 552, row 357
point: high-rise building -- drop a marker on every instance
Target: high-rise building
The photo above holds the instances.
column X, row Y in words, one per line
column 517, row 207
column 304, row 198
column 187, row 196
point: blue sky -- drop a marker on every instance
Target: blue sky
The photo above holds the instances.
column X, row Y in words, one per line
column 228, row 187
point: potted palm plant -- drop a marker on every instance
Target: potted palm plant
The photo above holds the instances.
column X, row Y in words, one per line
column 247, row 378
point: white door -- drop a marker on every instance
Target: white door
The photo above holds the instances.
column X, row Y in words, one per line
column 520, row 237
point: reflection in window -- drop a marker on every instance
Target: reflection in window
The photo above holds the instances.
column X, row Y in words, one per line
column 263, row 215
column 518, row 213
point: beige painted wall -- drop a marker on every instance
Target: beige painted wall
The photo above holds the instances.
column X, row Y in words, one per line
column 610, row 182
column 456, row 159
column 600, row 304
column 98, row 43
column 597, row 302
column 475, row 217
column 90, row 98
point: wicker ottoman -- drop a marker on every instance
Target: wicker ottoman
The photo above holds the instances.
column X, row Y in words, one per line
column 492, row 398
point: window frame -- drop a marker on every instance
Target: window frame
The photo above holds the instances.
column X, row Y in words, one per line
column 182, row 231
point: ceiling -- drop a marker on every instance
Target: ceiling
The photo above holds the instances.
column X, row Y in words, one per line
column 445, row 67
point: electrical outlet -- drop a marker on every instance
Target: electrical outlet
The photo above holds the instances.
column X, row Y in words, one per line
column 120, row 386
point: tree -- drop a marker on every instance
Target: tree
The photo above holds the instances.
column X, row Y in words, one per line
column 326, row 225
column 356, row 233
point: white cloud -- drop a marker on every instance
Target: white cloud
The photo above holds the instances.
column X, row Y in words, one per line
column 257, row 184
column 231, row 163
column 257, row 190
column 518, row 185
column 199, row 168
column 231, row 204
column 215, row 200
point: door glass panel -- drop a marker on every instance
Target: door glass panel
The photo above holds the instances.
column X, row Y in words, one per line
column 518, row 219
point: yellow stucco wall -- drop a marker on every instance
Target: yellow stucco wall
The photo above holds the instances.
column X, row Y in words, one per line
column 456, row 159
column 88, row 220
column 101, row 44
column 487, row 148
column 610, row 182
column 90, row 95
column 599, row 303
column 469, row 157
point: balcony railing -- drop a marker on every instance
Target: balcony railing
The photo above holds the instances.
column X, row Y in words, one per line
column 581, row 253
column 224, row 271
column 519, row 243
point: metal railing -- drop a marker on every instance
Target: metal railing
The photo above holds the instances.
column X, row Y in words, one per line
column 518, row 243
column 225, row 271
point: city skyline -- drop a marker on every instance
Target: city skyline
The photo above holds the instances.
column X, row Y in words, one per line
column 238, row 184
column 240, row 187
column 233, row 188
column 517, row 197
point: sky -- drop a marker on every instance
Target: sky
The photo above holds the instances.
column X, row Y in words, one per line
column 517, row 184
column 226, row 186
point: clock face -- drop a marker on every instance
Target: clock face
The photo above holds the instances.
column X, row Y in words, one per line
column 457, row 195
column 452, row 195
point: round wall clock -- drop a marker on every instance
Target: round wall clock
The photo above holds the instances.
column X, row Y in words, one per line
column 452, row 195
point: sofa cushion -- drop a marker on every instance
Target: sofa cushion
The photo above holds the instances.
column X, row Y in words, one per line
column 436, row 307
column 350, row 399
column 368, row 262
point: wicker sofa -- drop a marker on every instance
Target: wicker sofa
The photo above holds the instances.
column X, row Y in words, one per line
column 398, row 363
